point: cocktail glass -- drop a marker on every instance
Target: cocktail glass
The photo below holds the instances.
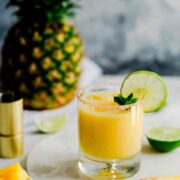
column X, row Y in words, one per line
column 110, row 135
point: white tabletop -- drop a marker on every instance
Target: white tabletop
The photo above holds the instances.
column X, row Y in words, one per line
column 168, row 164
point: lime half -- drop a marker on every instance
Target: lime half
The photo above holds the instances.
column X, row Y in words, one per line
column 164, row 139
column 51, row 125
column 147, row 85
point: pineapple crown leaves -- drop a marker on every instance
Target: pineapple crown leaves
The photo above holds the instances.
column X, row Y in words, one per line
column 44, row 10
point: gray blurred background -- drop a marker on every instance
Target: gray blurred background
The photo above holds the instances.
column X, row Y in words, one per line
column 125, row 35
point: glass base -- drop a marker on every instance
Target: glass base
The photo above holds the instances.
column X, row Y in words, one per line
column 115, row 169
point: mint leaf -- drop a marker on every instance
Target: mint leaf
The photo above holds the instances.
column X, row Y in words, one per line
column 125, row 100
column 119, row 99
column 130, row 97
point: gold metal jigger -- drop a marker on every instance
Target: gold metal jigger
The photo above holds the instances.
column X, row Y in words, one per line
column 11, row 125
column 11, row 146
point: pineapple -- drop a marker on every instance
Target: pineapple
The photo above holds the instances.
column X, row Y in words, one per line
column 13, row 172
column 42, row 53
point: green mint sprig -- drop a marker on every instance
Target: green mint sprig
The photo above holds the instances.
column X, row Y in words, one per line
column 125, row 100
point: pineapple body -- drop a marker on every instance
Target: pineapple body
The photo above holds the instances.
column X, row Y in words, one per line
column 42, row 62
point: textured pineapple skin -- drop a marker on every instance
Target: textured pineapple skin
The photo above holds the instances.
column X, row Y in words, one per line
column 43, row 63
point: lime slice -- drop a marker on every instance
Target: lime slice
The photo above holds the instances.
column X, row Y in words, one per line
column 147, row 85
column 51, row 125
column 164, row 139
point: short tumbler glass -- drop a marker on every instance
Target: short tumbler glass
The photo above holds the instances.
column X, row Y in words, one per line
column 110, row 135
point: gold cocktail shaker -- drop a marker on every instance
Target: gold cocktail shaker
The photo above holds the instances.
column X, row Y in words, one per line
column 11, row 125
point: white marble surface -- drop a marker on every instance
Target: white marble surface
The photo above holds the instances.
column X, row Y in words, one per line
column 153, row 163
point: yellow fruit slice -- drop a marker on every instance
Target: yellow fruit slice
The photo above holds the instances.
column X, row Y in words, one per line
column 13, row 172
column 163, row 178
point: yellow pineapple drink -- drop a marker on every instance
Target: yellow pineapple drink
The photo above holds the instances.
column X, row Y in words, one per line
column 108, row 132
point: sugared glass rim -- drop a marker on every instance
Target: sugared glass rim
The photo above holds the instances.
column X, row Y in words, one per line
column 90, row 103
